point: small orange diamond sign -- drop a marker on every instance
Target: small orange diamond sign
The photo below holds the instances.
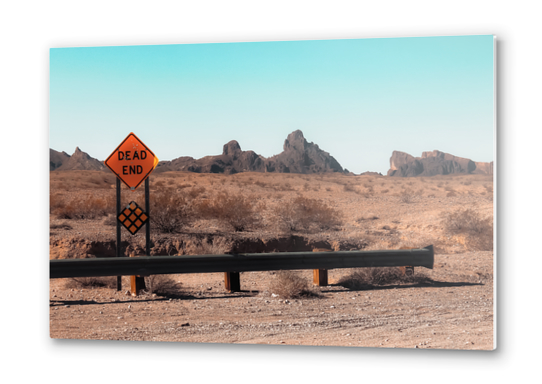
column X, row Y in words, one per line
column 132, row 161
column 133, row 217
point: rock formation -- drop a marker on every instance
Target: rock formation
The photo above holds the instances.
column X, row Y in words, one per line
column 434, row 163
column 80, row 161
column 298, row 156
column 56, row 159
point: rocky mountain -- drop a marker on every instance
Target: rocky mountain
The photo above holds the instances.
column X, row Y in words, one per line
column 78, row 161
column 298, row 156
column 56, row 159
column 434, row 163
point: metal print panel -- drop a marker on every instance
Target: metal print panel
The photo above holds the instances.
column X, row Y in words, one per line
column 330, row 193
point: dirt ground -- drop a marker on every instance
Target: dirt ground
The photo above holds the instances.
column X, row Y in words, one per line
column 452, row 309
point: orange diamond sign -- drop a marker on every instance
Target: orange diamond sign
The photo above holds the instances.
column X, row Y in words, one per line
column 132, row 161
column 133, row 217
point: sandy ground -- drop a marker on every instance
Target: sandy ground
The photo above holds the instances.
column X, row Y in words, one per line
column 453, row 310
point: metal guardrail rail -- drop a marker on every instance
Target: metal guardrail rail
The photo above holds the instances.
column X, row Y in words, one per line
column 235, row 263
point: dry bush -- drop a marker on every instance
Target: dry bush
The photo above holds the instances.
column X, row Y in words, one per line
column 349, row 188
column 406, row 196
column 290, row 285
column 367, row 217
column 305, row 214
column 158, row 184
column 162, row 285
column 216, row 246
column 56, row 201
column 170, row 212
column 367, row 278
column 195, row 192
column 84, row 207
column 478, row 231
column 61, row 226
column 91, row 282
column 238, row 211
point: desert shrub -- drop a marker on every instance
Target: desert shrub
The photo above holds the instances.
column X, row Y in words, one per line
column 237, row 211
column 158, row 184
column 84, row 207
column 195, row 192
column 162, row 285
column 305, row 214
column 63, row 225
column 406, row 196
column 366, row 217
column 170, row 212
column 348, row 188
column 216, row 246
column 290, row 285
column 286, row 187
column 478, row 231
column 367, row 278
column 91, row 282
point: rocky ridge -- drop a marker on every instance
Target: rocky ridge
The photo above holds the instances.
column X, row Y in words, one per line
column 434, row 163
column 298, row 156
column 78, row 161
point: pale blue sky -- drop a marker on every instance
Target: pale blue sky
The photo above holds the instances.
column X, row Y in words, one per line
column 358, row 99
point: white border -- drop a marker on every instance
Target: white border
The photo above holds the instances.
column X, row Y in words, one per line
column 29, row 29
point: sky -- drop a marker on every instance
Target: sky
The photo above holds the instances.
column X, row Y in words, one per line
column 358, row 99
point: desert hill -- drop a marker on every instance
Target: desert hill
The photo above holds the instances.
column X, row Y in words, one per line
column 78, row 161
column 434, row 163
column 298, row 156
column 56, row 159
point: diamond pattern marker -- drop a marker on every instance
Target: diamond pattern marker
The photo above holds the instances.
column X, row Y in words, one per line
column 133, row 217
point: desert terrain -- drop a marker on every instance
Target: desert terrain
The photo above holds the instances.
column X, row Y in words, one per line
column 448, row 307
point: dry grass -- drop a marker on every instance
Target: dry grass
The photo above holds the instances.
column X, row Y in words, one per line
column 336, row 206
column 91, row 282
column 217, row 246
column 308, row 215
column 238, row 211
column 170, row 212
column 82, row 207
column 290, row 285
column 163, row 285
column 368, row 278
column 467, row 222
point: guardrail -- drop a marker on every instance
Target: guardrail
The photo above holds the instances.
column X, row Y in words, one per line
column 233, row 264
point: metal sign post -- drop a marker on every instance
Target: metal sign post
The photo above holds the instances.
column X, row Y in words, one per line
column 119, row 243
column 132, row 162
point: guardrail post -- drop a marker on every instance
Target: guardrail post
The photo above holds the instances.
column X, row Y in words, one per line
column 232, row 281
column 320, row 277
